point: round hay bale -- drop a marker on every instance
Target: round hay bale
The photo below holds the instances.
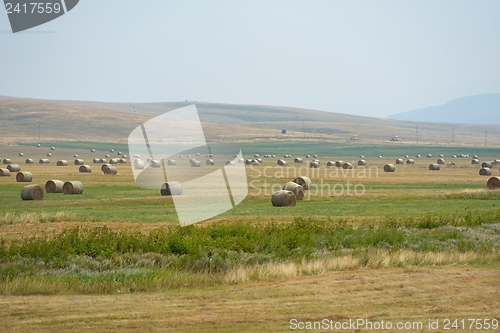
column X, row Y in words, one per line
column 4, row 172
column 314, row 164
column 255, row 162
column 308, row 156
column 417, row 156
column 273, row 156
column 62, row 163
column 241, row 160
column 248, row 161
column 347, row 166
column 54, row 186
column 119, row 153
column 122, row 160
column 7, row 161
column 410, row 161
column 454, row 156
column 171, row 162
column 256, row 155
column 156, row 164
column 196, row 164
column 49, row 155
column 361, row 156
column 330, row 163
column 198, row 154
column 380, row 156
column 111, row 150
column 296, row 189
column 389, row 168
column 475, row 157
column 79, row 161
column 451, row 164
column 496, row 162
column 107, row 155
column 111, row 171
column 29, row 161
column 138, row 164
column 441, row 155
column 315, row 156
column 488, row 165
column 52, row 148
column 103, row 160
column 316, row 161
column 21, row 154
column 105, row 166
column 284, row 198
column 73, row 187
column 209, row 162
column 361, row 162
column 281, row 162
column 24, row 177
column 407, row 156
column 399, row 161
column 44, row 161
column 85, row 169
column 113, row 161
column 339, row 164
column 305, row 182
column 96, row 160
column 14, row 167
column 32, row 192
column 38, row 145
column 137, row 155
column 434, row 167
column 429, row 155
column 171, row 188
column 230, row 163
column 475, row 161
column 260, row 160
column 485, row 172
column 441, row 161
column 298, row 160
column 75, row 156
column 124, row 156
column 494, row 183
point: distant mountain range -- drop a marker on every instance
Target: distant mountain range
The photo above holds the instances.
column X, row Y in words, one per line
column 477, row 109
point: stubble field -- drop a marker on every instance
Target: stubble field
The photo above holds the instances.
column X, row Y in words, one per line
column 410, row 246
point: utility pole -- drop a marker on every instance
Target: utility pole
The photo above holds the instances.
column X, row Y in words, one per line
column 417, row 134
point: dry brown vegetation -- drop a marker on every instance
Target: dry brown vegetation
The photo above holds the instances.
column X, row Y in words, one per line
column 396, row 295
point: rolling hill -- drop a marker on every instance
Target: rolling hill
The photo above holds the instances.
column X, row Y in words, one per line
column 22, row 118
column 477, row 109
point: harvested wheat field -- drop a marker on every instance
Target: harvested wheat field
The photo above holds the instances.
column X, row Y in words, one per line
column 407, row 246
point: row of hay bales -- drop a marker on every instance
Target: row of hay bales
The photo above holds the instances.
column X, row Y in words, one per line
column 36, row 192
column 291, row 192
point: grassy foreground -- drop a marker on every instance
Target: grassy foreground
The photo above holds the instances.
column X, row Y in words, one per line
column 416, row 245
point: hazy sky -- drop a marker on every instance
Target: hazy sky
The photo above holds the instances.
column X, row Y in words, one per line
column 360, row 57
